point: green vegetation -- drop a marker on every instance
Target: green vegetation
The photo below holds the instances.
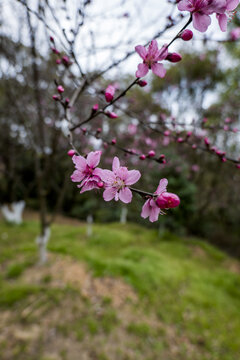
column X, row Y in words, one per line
column 184, row 287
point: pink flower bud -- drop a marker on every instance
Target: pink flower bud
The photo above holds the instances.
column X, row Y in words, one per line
column 166, row 133
column 99, row 130
column 111, row 115
column 109, row 93
column 55, row 97
column 60, row 89
column 100, row 184
column 238, row 166
column 151, row 153
column 105, row 145
column 204, row 120
column 186, row 35
column 180, row 140
column 174, row 57
column 226, row 128
column 71, row 153
column 58, row 61
column 113, row 141
column 207, row 142
column 55, row 51
column 167, row 201
column 95, row 107
column 235, row 130
column 51, row 39
column 142, row 157
column 84, row 130
column 223, row 159
column 194, row 146
column 227, row 120
column 66, row 61
column 142, row 83
column 67, row 101
column 189, row 133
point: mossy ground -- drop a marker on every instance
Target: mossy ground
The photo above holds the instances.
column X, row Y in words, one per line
column 123, row 294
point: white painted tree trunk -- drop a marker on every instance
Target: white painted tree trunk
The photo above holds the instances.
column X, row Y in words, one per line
column 42, row 241
column 14, row 212
column 89, row 225
column 123, row 216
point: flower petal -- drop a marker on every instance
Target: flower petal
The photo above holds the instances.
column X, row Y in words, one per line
column 132, row 177
column 162, row 187
column 125, row 195
column 232, row 4
column 141, row 51
column 109, row 194
column 146, row 209
column 107, row 176
column 155, row 211
column 142, row 70
column 93, row 158
column 201, row 21
column 77, row 176
column 222, row 20
column 80, row 162
column 89, row 185
column 115, row 164
column 159, row 70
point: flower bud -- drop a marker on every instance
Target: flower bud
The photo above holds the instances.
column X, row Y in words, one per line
column 95, row 107
column 71, row 153
column 174, row 57
column 113, row 141
column 186, row 35
column 100, row 184
column 167, row 201
column 111, row 115
column 151, row 153
column 60, row 89
column 142, row 83
column 142, row 157
column 55, row 97
column 109, row 93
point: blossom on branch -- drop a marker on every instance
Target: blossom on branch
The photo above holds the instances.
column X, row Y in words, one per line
column 117, row 182
column 202, row 9
column 151, row 58
column 163, row 200
column 86, row 171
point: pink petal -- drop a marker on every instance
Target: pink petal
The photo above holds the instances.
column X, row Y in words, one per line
column 109, row 194
column 153, row 49
column 141, row 51
column 201, row 21
column 142, row 70
column 93, row 158
column 158, row 69
column 89, row 185
column 163, row 53
column 155, row 211
column 232, row 4
column 125, row 195
column 122, row 173
column 185, row 5
column 115, row 164
column 146, row 209
column 97, row 172
column 222, row 20
column 162, row 187
column 132, row 177
column 77, row 176
column 107, row 176
column 80, row 162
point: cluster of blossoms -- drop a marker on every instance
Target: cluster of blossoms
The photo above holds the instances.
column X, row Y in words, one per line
column 116, row 184
column 202, row 9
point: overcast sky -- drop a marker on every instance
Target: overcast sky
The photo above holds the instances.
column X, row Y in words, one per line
column 116, row 24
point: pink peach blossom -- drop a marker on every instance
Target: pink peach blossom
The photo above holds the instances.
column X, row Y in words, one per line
column 151, row 58
column 117, row 182
column 86, row 171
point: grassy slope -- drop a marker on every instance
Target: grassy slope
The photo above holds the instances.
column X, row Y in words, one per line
column 185, row 283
